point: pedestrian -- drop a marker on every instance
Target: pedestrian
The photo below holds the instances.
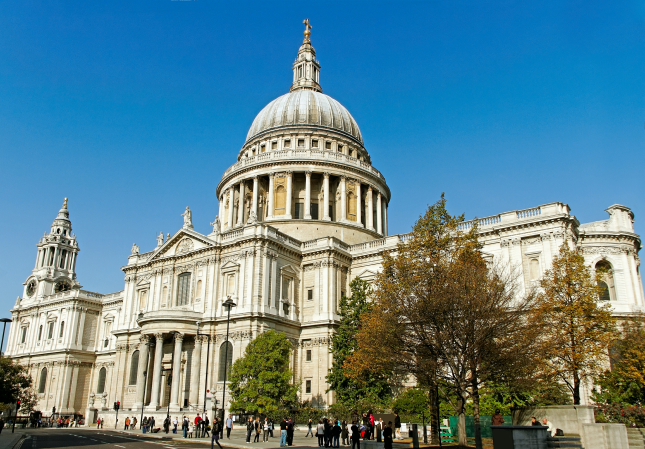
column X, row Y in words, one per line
column 344, row 434
column 271, row 426
column 257, row 427
column 387, row 436
column 265, row 427
column 309, row 431
column 397, row 425
column 166, row 424
column 371, row 417
column 1, row 424
column 134, row 424
column 290, row 426
column 206, row 425
column 151, row 424
column 229, row 426
column 320, row 433
column 328, row 427
column 497, row 419
column 175, row 423
column 283, row 432
column 356, row 436
column 249, row 429
column 198, row 423
column 184, row 426
column 127, row 423
column 215, row 431
column 379, row 430
column 335, row 433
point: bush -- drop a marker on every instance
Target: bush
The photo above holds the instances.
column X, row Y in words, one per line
column 630, row 415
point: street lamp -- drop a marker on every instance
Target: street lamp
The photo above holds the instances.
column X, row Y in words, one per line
column 208, row 353
column 228, row 304
column 172, row 364
column 145, row 376
column 4, row 322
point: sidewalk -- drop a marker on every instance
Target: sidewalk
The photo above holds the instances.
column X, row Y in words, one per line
column 8, row 440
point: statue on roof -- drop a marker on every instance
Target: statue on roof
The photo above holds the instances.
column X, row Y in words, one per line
column 188, row 218
column 216, row 226
column 160, row 239
column 135, row 249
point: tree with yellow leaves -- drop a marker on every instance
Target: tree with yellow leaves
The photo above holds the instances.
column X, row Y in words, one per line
column 576, row 327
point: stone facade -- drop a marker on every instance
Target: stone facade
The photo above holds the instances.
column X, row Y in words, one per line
column 302, row 213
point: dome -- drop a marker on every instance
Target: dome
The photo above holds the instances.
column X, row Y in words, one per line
column 304, row 107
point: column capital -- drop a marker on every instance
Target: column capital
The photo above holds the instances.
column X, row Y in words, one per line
column 289, row 173
column 144, row 339
column 369, row 188
column 255, row 178
column 178, row 337
column 159, row 336
column 343, row 178
column 326, row 174
column 308, row 173
column 272, row 175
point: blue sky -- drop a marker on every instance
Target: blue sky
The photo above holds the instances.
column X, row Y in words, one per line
column 134, row 110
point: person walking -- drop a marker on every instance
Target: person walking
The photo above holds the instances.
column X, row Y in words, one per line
column 166, row 424
column 152, row 424
column 356, row 436
column 206, row 425
column 320, row 433
column 229, row 426
column 215, row 431
column 397, row 425
column 309, row 431
column 175, row 422
column 379, row 430
column 290, row 427
column 344, row 434
column 257, row 427
column 134, row 423
column 387, row 436
column 283, row 432
column 335, row 433
column 328, row 428
column 184, row 426
column 265, row 428
column 271, row 426
column 249, row 429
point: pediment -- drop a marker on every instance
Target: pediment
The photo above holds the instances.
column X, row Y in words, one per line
column 230, row 265
column 367, row 275
column 289, row 269
column 183, row 242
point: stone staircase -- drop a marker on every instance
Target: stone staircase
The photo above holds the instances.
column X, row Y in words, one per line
column 636, row 438
column 568, row 441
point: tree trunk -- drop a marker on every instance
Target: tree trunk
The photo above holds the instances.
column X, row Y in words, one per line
column 576, row 388
column 478, row 430
column 461, row 423
column 435, row 419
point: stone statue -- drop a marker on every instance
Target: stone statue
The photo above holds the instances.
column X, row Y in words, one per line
column 104, row 400
column 216, row 226
column 160, row 239
column 188, row 218
column 135, row 249
column 90, row 402
column 253, row 218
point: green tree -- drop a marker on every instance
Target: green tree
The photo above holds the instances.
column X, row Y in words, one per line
column 414, row 402
column 15, row 383
column 625, row 382
column 261, row 381
column 577, row 329
column 372, row 387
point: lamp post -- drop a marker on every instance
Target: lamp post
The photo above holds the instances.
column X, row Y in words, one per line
column 228, row 303
column 4, row 322
column 208, row 353
column 172, row 364
column 145, row 377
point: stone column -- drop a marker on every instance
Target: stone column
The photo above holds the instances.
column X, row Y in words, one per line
column 221, row 209
column 385, row 218
column 370, row 209
column 289, row 194
column 308, row 195
column 379, row 214
column 325, row 197
column 270, row 196
column 240, row 207
column 343, row 198
column 156, row 375
column 194, row 371
column 176, row 373
column 359, row 205
column 141, row 378
column 254, row 207
column 231, row 197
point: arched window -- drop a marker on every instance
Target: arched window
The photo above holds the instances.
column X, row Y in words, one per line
column 225, row 360
column 100, row 388
column 62, row 329
column 534, row 269
column 280, row 200
column 134, row 368
column 606, row 283
column 43, row 380
column 183, row 289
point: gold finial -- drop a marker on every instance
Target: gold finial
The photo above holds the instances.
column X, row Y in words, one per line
column 65, row 204
column 307, row 32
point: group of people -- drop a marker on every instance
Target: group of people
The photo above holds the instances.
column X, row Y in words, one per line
column 546, row 423
column 130, row 423
column 256, row 428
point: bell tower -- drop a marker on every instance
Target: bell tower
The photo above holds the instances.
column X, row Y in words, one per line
column 54, row 271
column 306, row 68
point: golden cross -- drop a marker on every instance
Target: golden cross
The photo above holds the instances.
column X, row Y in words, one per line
column 307, row 28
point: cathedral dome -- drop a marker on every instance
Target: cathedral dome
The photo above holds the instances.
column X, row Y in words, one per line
column 307, row 108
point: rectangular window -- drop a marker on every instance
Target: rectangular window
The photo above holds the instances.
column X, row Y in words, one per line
column 313, row 207
column 308, row 387
column 328, row 145
column 40, row 332
column 230, row 284
column 310, row 294
column 286, row 288
column 314, row 144
column 274, row 145
column 23, row 335
column 300, row 210
column 50, row 330
column 308, row 355
column 183, row 289
column 262, row 149
column 331, row 213
column 287, row 143
column 301, row 143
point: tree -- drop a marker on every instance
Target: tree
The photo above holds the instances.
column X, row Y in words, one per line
column 625, row 382
column 261, row 381
column 372, row 386
column 577, row 330
column 450, row 318
column 412, row 401
column 15, row 383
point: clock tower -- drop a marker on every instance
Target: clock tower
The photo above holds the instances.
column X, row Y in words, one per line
column 54, row 271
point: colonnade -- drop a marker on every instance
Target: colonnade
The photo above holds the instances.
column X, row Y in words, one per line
column 56, row 257
column 374, row 200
